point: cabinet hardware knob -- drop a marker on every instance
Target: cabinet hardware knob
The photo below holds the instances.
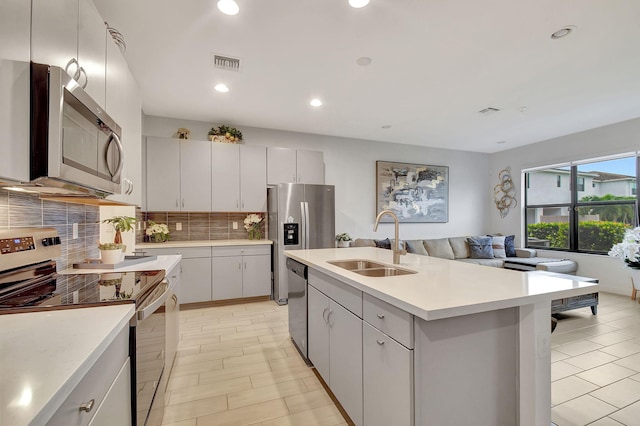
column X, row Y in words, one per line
column 380, row 342
column 381, row 316
column 87, row 406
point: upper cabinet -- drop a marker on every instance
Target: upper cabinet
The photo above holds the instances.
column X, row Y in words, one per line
column 15, row 24
column 71, row 34
column 286, row 165
column 238, row 178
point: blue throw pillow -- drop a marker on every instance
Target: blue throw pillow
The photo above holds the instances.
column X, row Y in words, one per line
column 510, row 245
column 385, row 244
column 480, row 247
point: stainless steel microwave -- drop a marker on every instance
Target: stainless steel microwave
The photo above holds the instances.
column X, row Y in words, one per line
column 75, row 145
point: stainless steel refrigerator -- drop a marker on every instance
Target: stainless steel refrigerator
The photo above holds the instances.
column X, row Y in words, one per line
column 300, row 216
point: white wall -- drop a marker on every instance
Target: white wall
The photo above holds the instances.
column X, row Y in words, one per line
column 614, row 139
column 350, row 166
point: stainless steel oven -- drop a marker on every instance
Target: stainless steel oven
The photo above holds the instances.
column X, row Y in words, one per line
column 29, row 281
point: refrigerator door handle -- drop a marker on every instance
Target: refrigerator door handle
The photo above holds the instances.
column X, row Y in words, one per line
column 303, row 225
column 306, row 225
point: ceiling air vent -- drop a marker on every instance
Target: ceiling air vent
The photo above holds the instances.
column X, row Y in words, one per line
column 488, row 110
column 226, row 63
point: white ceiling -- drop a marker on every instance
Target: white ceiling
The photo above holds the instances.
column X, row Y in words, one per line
column 435, row 64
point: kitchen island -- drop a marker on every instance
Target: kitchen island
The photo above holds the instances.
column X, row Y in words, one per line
column 448, row 343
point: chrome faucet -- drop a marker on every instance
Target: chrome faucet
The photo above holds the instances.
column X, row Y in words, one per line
column 396, row 250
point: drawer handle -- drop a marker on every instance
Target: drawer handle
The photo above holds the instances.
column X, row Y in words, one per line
column 87, row 406
column 381, row 316
column 380, row 342
column 326, row 320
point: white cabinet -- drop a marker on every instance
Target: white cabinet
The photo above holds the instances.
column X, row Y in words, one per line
column 172, row 322
column 15, row 25
column 71, row 34
column 113, row 410
column 243, row 271
column 178, row 175
column 286, row 165
column 335, row 345
column 238, row 178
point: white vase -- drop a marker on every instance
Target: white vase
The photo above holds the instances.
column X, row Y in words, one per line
column 344, row 244
column 111, row 256
column 635, row 278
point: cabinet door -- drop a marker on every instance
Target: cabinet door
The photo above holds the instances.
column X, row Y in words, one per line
column 54, row 33
column 92, row 53
column 132, row 140
column 195, row 283
column 387, row 380
column 15, row 86
column 116, row 85
column 281, row 165
column 15, row 25
column 253, row 178
column 256, row 276
column 345, row 360
column 115, row 408
column 163, row 174
column 226, row 277
column 225, row 177
column 195, row 176
column 310, row 166
column 318, row 331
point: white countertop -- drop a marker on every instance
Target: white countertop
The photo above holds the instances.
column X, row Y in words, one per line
column 44, row 355
column 204, row 243
column 165, row 263
column 442, row 288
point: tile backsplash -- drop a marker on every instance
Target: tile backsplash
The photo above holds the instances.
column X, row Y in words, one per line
column 204, row 226
column 19, row 210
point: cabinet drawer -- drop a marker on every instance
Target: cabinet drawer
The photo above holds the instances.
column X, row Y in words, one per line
column 94, row 385
column 186, row 252
column 241, row 250
column 389, row 319
column 344, row 294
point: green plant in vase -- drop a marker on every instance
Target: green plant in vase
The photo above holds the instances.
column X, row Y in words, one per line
column 121, row 224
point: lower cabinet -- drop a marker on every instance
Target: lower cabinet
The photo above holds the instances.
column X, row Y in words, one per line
column 242, row 271
column 113, row 410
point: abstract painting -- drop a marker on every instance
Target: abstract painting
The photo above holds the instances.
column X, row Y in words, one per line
column 414, row 192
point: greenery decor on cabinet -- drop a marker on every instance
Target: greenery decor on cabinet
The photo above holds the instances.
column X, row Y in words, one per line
column 121, row 224
column 225, row 134
column 183, row 133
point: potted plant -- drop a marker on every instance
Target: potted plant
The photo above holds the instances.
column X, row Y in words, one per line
column 225, row 134
column 344, row 240
column 111, row 252
column 121, row 224
column 629, row 251
column 252, row 225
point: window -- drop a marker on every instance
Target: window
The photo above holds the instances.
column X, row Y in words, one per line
column 591, row 218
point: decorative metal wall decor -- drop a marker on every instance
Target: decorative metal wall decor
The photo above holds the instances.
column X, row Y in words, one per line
column 414, row 192
column 504, row 192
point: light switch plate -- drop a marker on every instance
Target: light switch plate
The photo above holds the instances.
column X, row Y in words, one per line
column 178, row 226
column 235, row 225
column 74, row 231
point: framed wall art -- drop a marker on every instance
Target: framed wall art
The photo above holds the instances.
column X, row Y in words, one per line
column 414, row 192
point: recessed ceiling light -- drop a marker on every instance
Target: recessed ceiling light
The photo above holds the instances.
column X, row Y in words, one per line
column 221, row 88
column 315, row 102
column 358, row 3
column 228, row 7
column 364, row 61
column 386, row 126
column 562, row 32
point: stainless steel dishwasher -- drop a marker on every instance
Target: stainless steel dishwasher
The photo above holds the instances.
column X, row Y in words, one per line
column 297, row 277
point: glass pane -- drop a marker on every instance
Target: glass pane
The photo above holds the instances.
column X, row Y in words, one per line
column 600, row 227
column 548, row 227
column 607, row 180
column 549, row 186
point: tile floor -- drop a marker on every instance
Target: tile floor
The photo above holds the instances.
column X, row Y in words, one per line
column 236, row 366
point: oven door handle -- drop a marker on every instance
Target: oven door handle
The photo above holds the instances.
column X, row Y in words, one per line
column 155, row 304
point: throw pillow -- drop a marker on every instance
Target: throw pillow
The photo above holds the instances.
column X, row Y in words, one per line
column 363, row 242
column 497, row 244
column 460, row 247
column 510, row 245
column 416, row 246
column 385, row 244
column 439, row 248
column 480, row 247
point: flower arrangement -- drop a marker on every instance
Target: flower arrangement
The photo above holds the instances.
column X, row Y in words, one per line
column 157, row 232
column 252, row 225
column 183, row 133
column 343, row 237
column 225, row 134
column 629, row 249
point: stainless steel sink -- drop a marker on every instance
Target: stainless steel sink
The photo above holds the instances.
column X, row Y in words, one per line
column 370, row 269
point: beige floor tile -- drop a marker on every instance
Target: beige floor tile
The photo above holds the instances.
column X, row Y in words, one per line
column 208, row 356
column 264, row 347
column 235, row 324
column 246, row 415
column 578, row 348
column 590, row 359
column 569, row 388
column 195, row 368
column 632, row 362
column 558, row 356
column 245, row 334
column 192, row 409
column 620, row 393
column 280, row 329
column 629, row 416
column 188, row 422
column 622, row 349
column 308, row 401
column 177, row 382
column 229, row 344
column 271, row 377
column 287, row 362
column 253, row 358
column 266, row 393
column 610, row 338
column 291, row 351
column 558, row 339
column 187, row 350
column 275, row 338
column 606, row 421
column 236, row 372
column 327, row 415
column 208, row 390
column 606, row 374
column 560, row 370
column 580, row 411
column 262, row 325
column 312, row 383
column 597, row 330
